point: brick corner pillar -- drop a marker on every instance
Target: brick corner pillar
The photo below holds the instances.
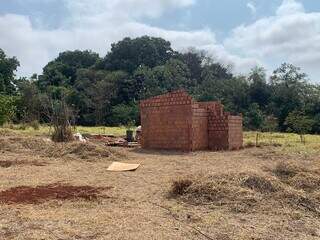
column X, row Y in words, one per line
column 235, row 132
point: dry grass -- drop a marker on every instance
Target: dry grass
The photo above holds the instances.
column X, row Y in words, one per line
column 44, row 147
column 251, row 191
column 257, row 193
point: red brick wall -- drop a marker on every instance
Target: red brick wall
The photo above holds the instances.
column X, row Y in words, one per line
column 235, row 132
column 166, row 122
column 175, row 121
column 199, row 128
column 217, row 132
column 225, row 132
column 215, row 108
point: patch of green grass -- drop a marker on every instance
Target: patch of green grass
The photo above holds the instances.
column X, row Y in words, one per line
column 116, row 131
column 288, row 142
column 45, row 130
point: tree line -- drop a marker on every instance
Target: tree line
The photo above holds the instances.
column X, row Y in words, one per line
column 106, row 90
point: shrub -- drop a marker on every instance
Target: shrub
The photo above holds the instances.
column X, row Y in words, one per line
column 61, row 118
column 180, row 186
column 35, row 124
column 299, row 123
column 124, row 114
column 7, row 108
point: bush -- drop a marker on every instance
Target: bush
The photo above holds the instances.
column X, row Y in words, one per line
column 60, row 119
column 254, row 118
column 35, row 124
column 299, row 123
column 123, row 114
column 7, row 108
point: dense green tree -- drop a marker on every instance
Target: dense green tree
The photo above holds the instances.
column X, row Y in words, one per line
column 7, row 108
column 289, row 88
column 125, row 114
column 128, row 54
column 93, row 93
column 62, row 71
column 108, row 90
column 173, row 75
column 254, row 117
column 194, row 60
column 214, row 78
column 8, row 66
column 29, row 106
column 259, row 90
column 298, row 122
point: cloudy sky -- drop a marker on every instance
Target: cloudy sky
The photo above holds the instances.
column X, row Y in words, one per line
column 243, row 33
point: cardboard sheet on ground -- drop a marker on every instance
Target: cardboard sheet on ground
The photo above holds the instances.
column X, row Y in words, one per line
column 122, row 167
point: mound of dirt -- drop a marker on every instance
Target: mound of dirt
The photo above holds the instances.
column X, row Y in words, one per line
column 47, row 148
column 40, row 194
column 252, row 191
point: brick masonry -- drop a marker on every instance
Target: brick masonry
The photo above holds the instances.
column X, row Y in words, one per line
column 175, row 121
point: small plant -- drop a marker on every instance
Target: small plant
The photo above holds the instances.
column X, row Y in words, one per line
column 22, row 126
column 179, row 187
column 61, row 118
column 131, row 125
column 35, row 124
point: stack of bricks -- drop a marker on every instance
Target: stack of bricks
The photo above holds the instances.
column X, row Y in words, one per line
column 175, row 121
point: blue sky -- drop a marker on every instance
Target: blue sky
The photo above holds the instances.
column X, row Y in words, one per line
column 241, row 33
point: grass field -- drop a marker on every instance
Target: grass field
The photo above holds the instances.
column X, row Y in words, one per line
column 46, row 130
column 64, row 191
column 286, row 141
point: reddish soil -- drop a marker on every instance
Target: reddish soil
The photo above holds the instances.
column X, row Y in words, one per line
column 37, row 195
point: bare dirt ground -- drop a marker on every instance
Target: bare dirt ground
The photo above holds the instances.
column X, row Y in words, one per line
column 256, row 193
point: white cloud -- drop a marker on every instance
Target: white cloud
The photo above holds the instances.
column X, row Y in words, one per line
column 290, row 7
column 252, row 7
column 95, row 25
column 292, row 35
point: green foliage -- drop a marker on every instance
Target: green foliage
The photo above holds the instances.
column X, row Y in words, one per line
column 123, row 114
column 106, row 91
column 128, row 54
column 316, row 125
column 7, row 68
column 29, row 104
column 7, row 108
column 270, row 124
column 62, row 71
column 298, row 122
column 254, row 118
column 289, row 92
column 259, row 91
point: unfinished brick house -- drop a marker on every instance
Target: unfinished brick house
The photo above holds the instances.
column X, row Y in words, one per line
column 175, row 121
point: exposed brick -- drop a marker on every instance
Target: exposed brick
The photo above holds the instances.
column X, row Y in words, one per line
column 175, row 121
